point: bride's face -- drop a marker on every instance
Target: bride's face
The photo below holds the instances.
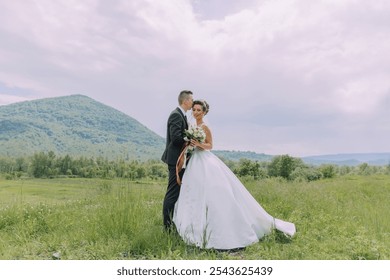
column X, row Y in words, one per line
column 197, row 111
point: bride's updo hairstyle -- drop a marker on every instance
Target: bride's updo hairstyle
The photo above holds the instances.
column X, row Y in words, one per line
column 204, row 104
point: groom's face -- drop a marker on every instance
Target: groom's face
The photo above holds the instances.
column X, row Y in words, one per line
column 188, row 102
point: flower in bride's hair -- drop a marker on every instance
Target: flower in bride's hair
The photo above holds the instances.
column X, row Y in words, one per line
column 196, row 133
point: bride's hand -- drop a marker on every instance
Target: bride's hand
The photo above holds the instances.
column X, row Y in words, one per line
column 195, row 143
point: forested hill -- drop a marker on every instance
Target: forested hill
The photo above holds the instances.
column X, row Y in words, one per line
column 76, row 125
column 237, row 155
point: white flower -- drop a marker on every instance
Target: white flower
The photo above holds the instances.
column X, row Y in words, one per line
column 196, row 133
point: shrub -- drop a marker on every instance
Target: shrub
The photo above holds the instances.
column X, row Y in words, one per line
column 328, row 170
column 283, row 166
column 305, row 173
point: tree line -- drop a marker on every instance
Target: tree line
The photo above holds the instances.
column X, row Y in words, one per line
column 50, row 165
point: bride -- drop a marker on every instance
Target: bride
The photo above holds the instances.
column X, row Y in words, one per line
column 214, row 209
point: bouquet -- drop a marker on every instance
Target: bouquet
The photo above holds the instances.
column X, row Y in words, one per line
column 196, row 133
column 193, row 132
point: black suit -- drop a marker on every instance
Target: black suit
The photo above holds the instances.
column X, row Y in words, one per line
column 176, row 125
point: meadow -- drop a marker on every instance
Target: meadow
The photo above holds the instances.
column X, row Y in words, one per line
column 343, row 218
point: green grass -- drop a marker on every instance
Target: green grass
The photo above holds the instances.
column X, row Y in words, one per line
column 344, row 218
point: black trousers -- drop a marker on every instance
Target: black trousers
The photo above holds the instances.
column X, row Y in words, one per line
column 171, row 196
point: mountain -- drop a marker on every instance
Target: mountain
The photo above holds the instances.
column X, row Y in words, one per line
column 352, row 159
column 80, row 126
column 237, row 155
column 349, row 159
column 76, row 125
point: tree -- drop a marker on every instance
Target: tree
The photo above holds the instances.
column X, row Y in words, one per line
column 305, row 173
column 283, row 166
column 328, row 170
column 39, row 165
column 66, row 164
column 247, row 167
column 388, row 169
column 364, row 169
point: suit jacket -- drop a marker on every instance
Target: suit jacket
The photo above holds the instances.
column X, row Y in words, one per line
column 175, row 134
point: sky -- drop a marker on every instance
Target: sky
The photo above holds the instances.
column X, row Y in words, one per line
column 297, row 77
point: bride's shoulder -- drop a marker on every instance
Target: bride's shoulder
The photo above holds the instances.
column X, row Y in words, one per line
column 205, row 127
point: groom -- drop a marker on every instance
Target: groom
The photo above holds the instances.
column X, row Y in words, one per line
column 177, row 123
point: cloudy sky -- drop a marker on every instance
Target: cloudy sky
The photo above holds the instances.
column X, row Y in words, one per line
column 298, row 77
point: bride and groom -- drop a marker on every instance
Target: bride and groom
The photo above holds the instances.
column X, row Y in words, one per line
column 211, row 208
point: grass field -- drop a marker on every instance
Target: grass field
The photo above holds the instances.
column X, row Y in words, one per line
column 345, row 218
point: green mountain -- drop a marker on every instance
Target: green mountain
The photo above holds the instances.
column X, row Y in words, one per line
column 237, row 155
column 76, row 125
column 80, row 126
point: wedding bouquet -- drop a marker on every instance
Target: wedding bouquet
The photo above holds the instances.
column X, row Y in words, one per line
column 193, row 132
column 196, row 133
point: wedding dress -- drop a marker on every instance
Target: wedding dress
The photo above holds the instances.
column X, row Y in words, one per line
column 215, row 210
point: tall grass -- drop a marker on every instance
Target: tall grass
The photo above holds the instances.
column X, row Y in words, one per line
column 342, row 218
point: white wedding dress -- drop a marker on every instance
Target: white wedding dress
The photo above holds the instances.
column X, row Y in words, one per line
column 215, row 210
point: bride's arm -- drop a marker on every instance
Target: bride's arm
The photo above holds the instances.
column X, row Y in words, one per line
column 208, row 143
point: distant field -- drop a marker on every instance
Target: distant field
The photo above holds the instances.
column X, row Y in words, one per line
column 345, row 218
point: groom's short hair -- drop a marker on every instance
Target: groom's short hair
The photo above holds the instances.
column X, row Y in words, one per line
column 184, row 94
